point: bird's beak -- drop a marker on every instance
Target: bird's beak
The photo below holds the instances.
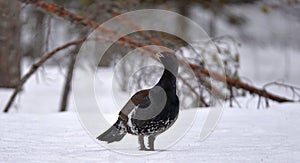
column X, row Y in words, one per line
column 159, row 55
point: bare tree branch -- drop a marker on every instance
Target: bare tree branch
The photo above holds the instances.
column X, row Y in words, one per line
column 61, row 12
column 35, row 67
column 194, row 91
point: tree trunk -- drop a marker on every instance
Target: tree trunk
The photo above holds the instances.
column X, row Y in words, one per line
column 67, row 86
column 183, row 9
column 212, row 24
column 10, row 55
column 35, row 47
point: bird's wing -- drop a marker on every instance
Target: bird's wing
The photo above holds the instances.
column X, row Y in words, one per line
column 134, row 101
column 152, row 105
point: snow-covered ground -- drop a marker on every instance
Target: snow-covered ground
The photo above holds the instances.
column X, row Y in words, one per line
column 243, row 135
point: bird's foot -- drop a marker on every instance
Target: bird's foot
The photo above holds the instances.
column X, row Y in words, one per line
column 145, row 149
column 149, row 149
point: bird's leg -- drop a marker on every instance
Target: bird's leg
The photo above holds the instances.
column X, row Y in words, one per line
column 141, row 142
column 151, row 139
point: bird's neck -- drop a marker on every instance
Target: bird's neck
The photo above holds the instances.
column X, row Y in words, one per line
column 168, row 81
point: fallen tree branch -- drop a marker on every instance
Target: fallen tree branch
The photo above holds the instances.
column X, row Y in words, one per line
column 240, row 85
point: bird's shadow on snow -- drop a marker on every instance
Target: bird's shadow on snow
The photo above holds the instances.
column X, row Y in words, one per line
column 171, row 150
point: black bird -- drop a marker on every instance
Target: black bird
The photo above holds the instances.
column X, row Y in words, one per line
column 150, row 111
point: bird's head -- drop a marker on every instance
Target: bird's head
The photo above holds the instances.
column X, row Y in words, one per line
column 169, row 60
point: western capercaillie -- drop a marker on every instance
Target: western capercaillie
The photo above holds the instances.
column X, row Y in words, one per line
column 149, row 112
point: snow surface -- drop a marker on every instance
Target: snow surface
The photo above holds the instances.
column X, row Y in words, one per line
column 243, row 135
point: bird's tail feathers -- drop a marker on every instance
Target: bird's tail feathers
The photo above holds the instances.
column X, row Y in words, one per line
column 114, row 133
